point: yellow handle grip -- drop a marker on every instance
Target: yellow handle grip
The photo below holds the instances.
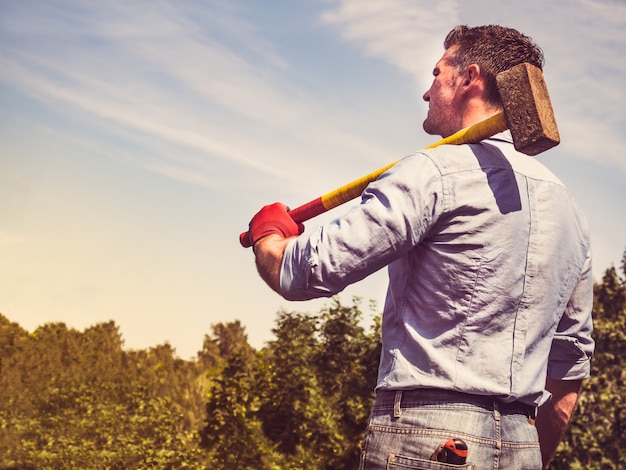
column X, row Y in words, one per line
column 469, row 135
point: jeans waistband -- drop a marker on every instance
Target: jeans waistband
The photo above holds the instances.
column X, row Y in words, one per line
column 425, row 396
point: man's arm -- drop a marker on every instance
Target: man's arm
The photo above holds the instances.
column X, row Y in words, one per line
column 554, row 416
column 269, row 253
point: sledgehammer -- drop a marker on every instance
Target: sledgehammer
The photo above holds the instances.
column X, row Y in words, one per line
column 527, row 114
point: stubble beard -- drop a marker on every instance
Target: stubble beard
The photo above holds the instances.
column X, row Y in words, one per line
column 434, row 126
column 428, row 126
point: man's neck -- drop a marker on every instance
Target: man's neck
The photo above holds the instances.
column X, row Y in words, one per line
column 477, row 111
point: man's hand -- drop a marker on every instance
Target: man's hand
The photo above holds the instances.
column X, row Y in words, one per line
column 554, row 416
column 273, row 219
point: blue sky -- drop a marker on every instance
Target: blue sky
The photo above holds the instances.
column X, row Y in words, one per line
column 138, row 138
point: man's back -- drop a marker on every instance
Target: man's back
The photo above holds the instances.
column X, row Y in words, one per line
column 474, row 304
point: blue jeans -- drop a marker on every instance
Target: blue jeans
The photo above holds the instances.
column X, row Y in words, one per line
column 406, row 427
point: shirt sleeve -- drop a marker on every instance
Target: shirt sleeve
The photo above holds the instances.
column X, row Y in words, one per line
column 394, row 215
column 572, row 345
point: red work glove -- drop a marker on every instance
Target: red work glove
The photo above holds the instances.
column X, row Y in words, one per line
column 274, row 218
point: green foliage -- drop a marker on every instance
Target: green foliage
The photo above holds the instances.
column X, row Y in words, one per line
column 596, row 438
column 232, row 434
column 77, row 400
column 302, row 401
column 71, row 399
column 81, row 431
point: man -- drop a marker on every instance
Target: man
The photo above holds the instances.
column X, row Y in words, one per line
column 488, row 311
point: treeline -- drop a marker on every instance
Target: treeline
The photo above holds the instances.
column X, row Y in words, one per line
column 71, row 399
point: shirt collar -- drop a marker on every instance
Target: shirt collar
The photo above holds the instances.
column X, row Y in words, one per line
column 504, row 136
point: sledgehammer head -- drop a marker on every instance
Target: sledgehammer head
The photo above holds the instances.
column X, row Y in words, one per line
column 527, row 109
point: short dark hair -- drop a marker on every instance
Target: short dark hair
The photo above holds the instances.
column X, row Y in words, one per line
column 494, row 49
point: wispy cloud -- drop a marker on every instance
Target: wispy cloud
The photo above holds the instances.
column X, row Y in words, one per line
column 253, row 101
column 398, row 31
column 204, row 80
column 122, row 71
column 580, row 38
column 208, row 82
column 586, row 79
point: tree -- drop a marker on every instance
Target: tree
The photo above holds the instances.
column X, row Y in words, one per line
column 77, row 400
column 319, row 386
column 232, row 435
column 347, row 365
column 596, row 438
column 296, row 414
column 71, row 399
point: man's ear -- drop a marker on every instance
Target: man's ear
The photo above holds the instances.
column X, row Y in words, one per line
column 473, row 72
column 472, row 78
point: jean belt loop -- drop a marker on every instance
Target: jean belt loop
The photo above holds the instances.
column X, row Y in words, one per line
column 532, row 415
column 397, row 402
column 496, row 409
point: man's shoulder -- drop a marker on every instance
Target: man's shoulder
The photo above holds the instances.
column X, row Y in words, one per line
column 456, row 158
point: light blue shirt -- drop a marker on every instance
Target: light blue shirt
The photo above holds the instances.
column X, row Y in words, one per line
column 490, row 282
